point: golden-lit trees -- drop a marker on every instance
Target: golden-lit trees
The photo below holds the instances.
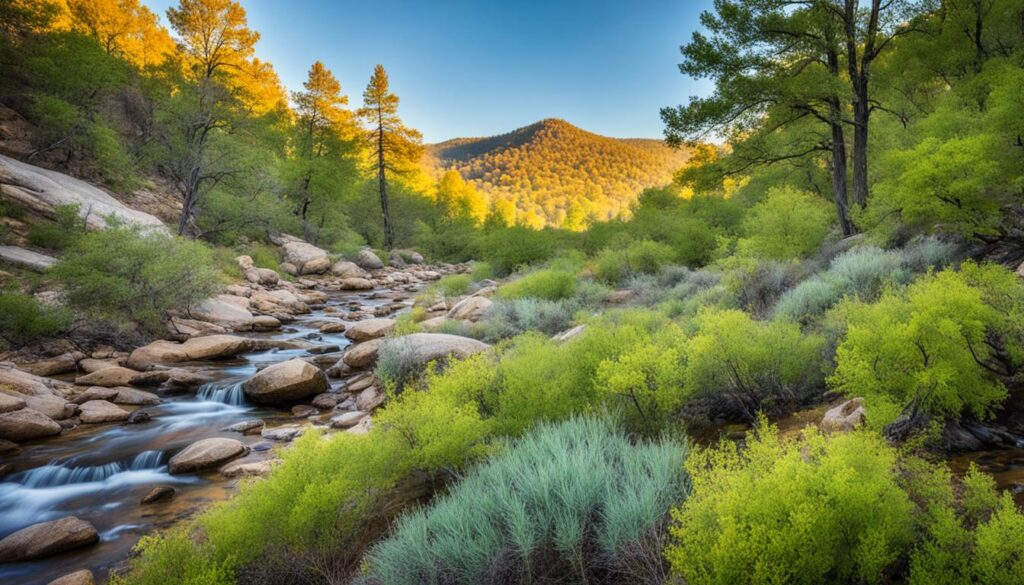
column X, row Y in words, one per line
column 123, row 28
column 396, row 148
column 326, row 141
column 460, row 199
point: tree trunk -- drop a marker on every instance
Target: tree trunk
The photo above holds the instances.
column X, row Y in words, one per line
column 389, row 236
column 304, row 208
column 861, row 114
column 191, row 191
column 838, row 163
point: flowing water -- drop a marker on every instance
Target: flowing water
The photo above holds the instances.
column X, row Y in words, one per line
column 100, row 472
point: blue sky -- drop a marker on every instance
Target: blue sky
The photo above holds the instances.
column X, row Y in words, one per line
column 476, row 68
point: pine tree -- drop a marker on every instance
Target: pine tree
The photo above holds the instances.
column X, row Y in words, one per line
column 395, row 147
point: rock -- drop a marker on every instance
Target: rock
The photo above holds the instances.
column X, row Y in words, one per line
column 337, row 327
column 249, row 468
column 51, row 405
column 620, row 296
column 569, row 334
column 326, row 401
column 206, row 453
column 246, row 427
column 282, row 433
column 303, row 410
column 347, row 419
column 262, row 446
column 845, row 417
column 138, row 417
column 160, row 492
column 108, row 377
column 43, row 190
column 10, row 403
column 420, row 348
column 47, row 539
column 370, row 329
column 395, row 259
column 26, row 383
column 193, row 327
column 416, row 258
column 363, row 355
column 368, row 260
column 265, row 323
column 263, row 276
column 9, row 448
column 434, row 323
column 26, row 258
column 62, row 364
column 171, row 379
column 83, row 577
column 355, row 284
column 96, row 393
column 286, row 381
column 470, row 308
column 208, row 347
column 360, row 382
column 90, row 365
column 101, row 411
column 345, row 269
column 370, row 398
column 1020, row 270
column 135, row 397
column 307, row 258
column 289, row 268
column 363, row 427
column 223, row 310
column 26, row 424
column 237, row 290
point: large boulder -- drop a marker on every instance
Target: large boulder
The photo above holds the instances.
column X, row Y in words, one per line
column 26, row 424
column 368, row 260
column 83, row 577
column 206, row 454
column 11, row 402
column 102, row 411
column 285, row 382
column 845, row 417
column 51, row 405
column 370, row 329
column 346, row 269
column 42, row 190
column 363, row 355
column 355, row 284
column 60, row 364
column 420, row 348
column 47, row 539
column 225, row 310
column 26, row 258
column 208, row 347
column 108, row 377
column 307, row 258
column 470, row 308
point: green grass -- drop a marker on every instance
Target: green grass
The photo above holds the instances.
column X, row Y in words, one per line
column 547, row 284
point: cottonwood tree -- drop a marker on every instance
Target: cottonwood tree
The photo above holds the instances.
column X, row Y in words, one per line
column 325, row 142
column 396, row 148
column 123, row 28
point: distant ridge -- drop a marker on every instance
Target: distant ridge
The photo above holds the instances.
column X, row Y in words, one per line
column 559, row 175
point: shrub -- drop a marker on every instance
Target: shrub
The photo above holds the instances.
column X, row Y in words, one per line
column 547, row 284
column 566, row 503
column 453, row 285
column 920, row 350
column 125, row 278
column 481, row 271
column 674, row 283
column 508, row 318
column 397, row 365
column 745, row 366
column 758, row 286
column 24, row 320
column 60, row 233
column 786, row 224
column 508, row 249
column 613, row 265
column 825, row 510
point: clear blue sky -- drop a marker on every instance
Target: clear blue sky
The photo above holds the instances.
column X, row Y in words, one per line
column 476, row 68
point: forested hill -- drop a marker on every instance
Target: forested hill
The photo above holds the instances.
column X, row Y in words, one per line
column 558, row 174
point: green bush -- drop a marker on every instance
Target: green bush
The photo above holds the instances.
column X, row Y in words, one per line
column 508, row 318
column 127, row 279
column 825, row 510
column 566, row 503
column 481, row 271
column 453, row 285
column 508, row 249
column 613, row 265
column 922, row 350
column 24, row 320
column 66, row 227
column 786, row 224
column 547, row 284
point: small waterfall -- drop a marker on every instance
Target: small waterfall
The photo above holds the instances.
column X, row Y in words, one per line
column 61, row 474
column 224, row 392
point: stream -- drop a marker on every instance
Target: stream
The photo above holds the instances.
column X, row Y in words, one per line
column 100, row 472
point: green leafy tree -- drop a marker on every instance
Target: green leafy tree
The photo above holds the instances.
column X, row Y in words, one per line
column 786, row 224
column 396, row 148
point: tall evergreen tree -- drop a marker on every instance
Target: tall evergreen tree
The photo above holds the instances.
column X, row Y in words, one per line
column 396, row 148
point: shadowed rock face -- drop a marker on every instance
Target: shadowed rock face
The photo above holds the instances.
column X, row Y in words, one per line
column 47, row 538
column 42, row 190
column 26, row 258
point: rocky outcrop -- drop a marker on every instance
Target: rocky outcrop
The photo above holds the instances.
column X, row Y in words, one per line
column 470, row 308
column 42, row 190
column 845, row 417
column 249, row 468
column 26, row 258
column 61, row 364
column 83, row 577
column 347, row 419
column 285, row 382
column 47, row 539
column 206, row 454
column 370, row 329
column 303, row 256
column 10, row 402
column 355, row 284
column 102, row 411
column 346, row 269
column 26, row 424
column 363, row 355
column 227, row 311
column 108, row 377
column 420, row 348
column 198, row 348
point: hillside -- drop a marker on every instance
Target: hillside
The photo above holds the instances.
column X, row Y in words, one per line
column 557, row 174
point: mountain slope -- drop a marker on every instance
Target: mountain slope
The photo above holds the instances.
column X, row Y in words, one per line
column 557, row 174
